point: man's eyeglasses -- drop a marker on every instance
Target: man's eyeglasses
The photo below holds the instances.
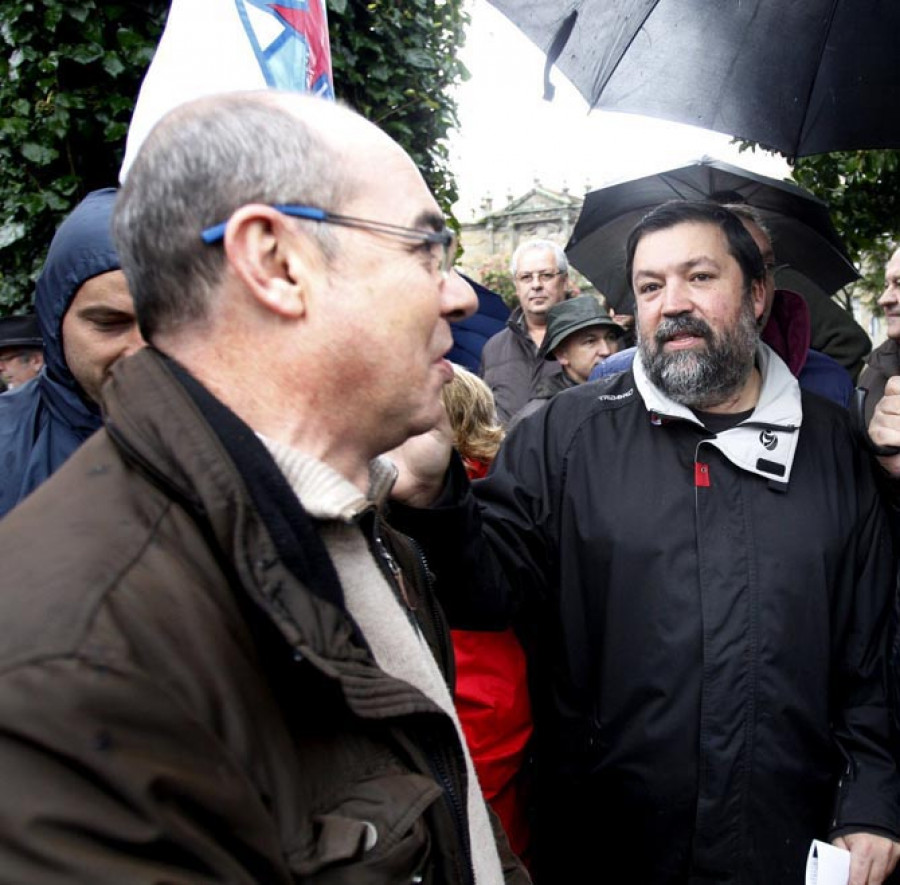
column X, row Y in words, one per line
column 543, row 275
column 445, row 238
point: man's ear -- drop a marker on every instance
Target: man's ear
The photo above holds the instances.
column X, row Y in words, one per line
column 271, row 258
column 758, row 297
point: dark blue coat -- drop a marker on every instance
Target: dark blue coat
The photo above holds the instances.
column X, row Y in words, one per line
column 45, row 420
column 471, row 334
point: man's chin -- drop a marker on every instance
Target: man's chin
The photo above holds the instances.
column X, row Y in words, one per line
column 676, row 355
column 424, row 422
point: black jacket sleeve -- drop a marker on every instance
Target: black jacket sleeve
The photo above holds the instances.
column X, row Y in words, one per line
column 491, row 544
column 866, row 796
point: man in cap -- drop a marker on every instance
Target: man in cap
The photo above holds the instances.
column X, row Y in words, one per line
column 21, row 354
column 580, row 336
column 217, row 662
column 87, row 322
column 708, row 652
column 510, row 363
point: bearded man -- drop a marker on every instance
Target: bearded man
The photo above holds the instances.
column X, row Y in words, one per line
column 696, row 549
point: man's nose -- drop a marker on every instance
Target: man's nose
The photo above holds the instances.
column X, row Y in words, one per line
column 458, row 298
column 676, row 298
column 888, row 296
column 134, row 342
column 604, row 348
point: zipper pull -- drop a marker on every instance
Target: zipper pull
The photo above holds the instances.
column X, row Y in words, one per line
column 395, row 572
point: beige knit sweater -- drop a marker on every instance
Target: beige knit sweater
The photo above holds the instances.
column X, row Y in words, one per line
column 397, row 644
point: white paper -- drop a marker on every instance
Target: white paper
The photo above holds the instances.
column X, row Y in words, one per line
column 827, row 864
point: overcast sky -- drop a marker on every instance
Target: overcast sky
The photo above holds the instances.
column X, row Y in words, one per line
column 509, row 135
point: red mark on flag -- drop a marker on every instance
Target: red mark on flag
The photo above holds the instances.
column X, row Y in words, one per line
column 311, row 24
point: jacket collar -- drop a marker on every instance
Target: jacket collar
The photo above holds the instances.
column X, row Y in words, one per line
column 763, row 444
column 180, row 438
column 788, row 330
column 191, row 444
column 885, row 357
column 516, row 323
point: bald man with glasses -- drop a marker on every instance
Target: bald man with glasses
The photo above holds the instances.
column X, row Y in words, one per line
column 218, row 661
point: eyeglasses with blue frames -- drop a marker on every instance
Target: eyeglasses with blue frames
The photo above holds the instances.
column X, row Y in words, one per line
column 445, row 238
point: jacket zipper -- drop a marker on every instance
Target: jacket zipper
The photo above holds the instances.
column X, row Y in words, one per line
column 433, row 753
column 394, row 576
column 436, row 762
column 437, row 616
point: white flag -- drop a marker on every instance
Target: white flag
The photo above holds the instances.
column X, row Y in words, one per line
column 213, row 46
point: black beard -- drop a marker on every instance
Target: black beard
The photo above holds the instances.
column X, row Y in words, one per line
column 701, row 378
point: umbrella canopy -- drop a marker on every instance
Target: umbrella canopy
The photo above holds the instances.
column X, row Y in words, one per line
column 802, row 78
column 803, row 235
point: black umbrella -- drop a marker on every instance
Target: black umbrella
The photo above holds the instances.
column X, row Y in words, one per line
column 802, row 77
column 802, row 232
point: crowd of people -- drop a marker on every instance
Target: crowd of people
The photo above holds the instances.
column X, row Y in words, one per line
column 289, row 598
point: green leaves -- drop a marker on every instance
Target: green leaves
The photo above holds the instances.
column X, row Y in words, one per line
column 395, row 62
column 862, row 189
column 38, row 154
column 69, row 74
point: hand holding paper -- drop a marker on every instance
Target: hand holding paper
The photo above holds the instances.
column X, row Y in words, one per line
column 827, row 865
column 854, row 859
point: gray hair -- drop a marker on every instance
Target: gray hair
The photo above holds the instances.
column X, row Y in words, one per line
column 197, row 167
column 562, row 263
column 746, row 212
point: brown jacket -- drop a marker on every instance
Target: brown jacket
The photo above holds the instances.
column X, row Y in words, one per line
column 512, row 367
column 881, row 364
column 183, row 697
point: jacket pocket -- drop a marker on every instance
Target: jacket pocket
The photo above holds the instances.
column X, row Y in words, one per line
column 373, row 836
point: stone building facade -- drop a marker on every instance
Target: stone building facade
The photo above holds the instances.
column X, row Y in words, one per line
column 489, row 242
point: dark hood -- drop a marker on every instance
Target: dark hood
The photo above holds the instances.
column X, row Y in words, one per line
column 81, row 249
column 44, row 421
column 788, row 330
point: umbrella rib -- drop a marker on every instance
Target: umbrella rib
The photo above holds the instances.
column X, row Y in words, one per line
column 602, row 80
column 556, row 47
column 679, row 192
column 812, row 85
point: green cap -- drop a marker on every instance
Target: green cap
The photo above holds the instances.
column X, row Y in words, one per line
column 569, row 316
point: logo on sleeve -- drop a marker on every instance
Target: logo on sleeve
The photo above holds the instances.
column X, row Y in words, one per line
column 615, row 397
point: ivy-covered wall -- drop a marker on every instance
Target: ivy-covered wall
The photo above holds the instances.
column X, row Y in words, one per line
column 69, row 73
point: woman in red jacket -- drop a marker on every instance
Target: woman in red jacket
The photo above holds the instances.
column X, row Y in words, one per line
column 491, row 681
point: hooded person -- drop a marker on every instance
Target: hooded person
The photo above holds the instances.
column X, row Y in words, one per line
column 86, row 320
